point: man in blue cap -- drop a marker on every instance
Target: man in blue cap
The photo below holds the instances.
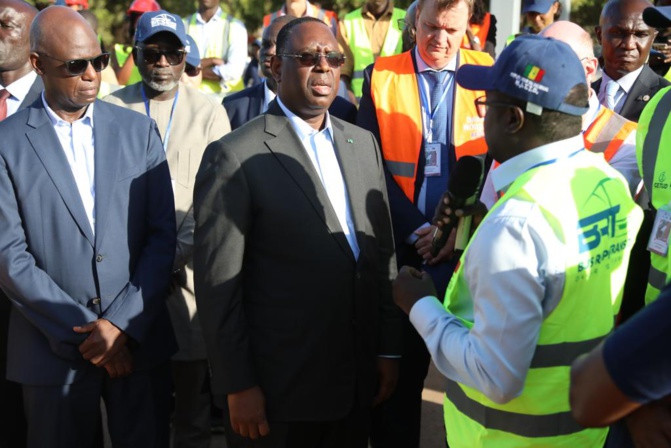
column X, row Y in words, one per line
column 541, row 280
column 540, row 14
column 187, row 121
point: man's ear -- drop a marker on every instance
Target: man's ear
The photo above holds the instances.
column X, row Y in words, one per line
column 134, row 53
column 597, row 31
column 36, row 62
column 276, row 68
column 514, row 120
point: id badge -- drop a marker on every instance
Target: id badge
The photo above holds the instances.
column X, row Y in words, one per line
column 659, row 238
column 432, row 166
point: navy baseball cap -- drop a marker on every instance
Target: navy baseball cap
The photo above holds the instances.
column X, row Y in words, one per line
column 539, row 70
column 657, row 17
column 154, row 22
column 539, row 6
column 192, row 53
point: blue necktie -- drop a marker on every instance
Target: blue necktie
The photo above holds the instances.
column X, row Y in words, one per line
column 436, row 185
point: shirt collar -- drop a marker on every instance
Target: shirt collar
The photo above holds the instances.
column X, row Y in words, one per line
column 387, row 12
column 20, row 88
column 216, row 17
column 594, row 107
column 626, row 82
column 506, row 173
column 56, row 120
column 424, row 67
column 268, row 95
column 302, row 128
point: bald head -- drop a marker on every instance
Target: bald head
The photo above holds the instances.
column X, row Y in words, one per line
column 615, row 9
column 268, row 42
column 573, row 35
column 15, row 19
column 61, row 29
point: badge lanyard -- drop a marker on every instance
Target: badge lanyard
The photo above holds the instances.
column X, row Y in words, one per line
column 172, row 111
column 428, row 114
column 550, row 162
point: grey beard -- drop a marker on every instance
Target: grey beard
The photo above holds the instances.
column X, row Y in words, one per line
column 163, row 87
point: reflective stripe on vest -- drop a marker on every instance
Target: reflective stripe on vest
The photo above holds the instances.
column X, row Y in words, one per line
column 653, row 153
column 395, row 93
column 216, row 48
column 479, row 31
column 359, row 43
column 607, row 133
column 590, row 227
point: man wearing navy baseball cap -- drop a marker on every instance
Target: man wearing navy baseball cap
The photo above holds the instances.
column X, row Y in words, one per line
column 187, row 121
column 542, row 277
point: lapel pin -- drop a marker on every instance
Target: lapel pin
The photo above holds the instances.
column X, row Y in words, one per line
column 645, row 98
column 349, row 140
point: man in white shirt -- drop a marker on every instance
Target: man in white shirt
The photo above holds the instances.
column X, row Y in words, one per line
column 293, row 257
column 627, row 83
column 535, row 286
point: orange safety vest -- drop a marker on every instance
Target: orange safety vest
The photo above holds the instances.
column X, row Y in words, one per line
column 480, row 31
column 395, row 93
column 328, row 17
column 607, row 132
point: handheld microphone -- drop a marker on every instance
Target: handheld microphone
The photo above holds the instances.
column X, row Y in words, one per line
column 462, row 189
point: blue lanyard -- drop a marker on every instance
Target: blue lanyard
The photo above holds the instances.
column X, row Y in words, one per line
column 427, row 113
column 550, row 162
column 172, row 111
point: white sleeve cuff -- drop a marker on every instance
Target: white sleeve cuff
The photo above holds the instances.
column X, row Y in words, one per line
column 424, row 313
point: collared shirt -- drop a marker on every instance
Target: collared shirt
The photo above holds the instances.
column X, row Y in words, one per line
column 78, row 145
column 268, row 96
column 376, row 29
column 625, row 83
column 515, row 269
column 235, row 57
column 321, row 150
column 18, row 91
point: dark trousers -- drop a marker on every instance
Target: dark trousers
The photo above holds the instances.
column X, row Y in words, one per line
column 348, row 432
column 138, row 411
column 13, row 422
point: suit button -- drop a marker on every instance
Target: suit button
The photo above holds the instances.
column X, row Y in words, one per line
column 358, row 276
column 96, row 301
column 99, row 258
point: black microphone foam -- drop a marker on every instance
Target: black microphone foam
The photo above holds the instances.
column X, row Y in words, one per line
column 464, row 183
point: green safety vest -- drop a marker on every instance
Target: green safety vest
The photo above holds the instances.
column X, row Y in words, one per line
column 216, row 48
column 359, row 43
column 122, row 53
column 653, row 154
column 589, row 207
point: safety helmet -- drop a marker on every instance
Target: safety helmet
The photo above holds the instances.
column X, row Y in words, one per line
column 142, row 6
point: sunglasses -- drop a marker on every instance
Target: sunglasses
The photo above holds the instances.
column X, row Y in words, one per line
column 152, row 55
column 309, row 59
column 76, row 67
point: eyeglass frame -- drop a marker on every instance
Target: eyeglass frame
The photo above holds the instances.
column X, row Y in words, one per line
column 161, row 54
column 89, row 61
column 482, row 103
column 318, row 55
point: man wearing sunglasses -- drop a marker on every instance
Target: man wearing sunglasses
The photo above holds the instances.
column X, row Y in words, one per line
column 424, row 122
column 187, row 121
column 293, row 259
column 89, row 246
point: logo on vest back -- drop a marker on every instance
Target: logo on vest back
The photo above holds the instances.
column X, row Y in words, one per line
column 661, row 181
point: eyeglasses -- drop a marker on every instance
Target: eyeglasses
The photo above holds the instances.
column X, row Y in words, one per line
column 309, row 59
column 153, row 55
column 76, row 67
column 481, row 105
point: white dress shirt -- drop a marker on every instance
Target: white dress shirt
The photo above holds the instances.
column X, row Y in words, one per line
column 235, row 59
column 268, row 96
column 515, row 269
column 625, row 83
column 18, row 91
column 321, row 151
column 78, row 145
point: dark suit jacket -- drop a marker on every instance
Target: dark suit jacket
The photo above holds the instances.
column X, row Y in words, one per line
column 645, row 87
column 53, row 265
column 244, row 105
column 33, row 93
column 283, row 302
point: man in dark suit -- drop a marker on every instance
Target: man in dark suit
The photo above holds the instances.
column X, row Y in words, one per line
column 19, row 87
column 627, row 83
column 293, row 260
column 247, row 104
column 88, row 243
